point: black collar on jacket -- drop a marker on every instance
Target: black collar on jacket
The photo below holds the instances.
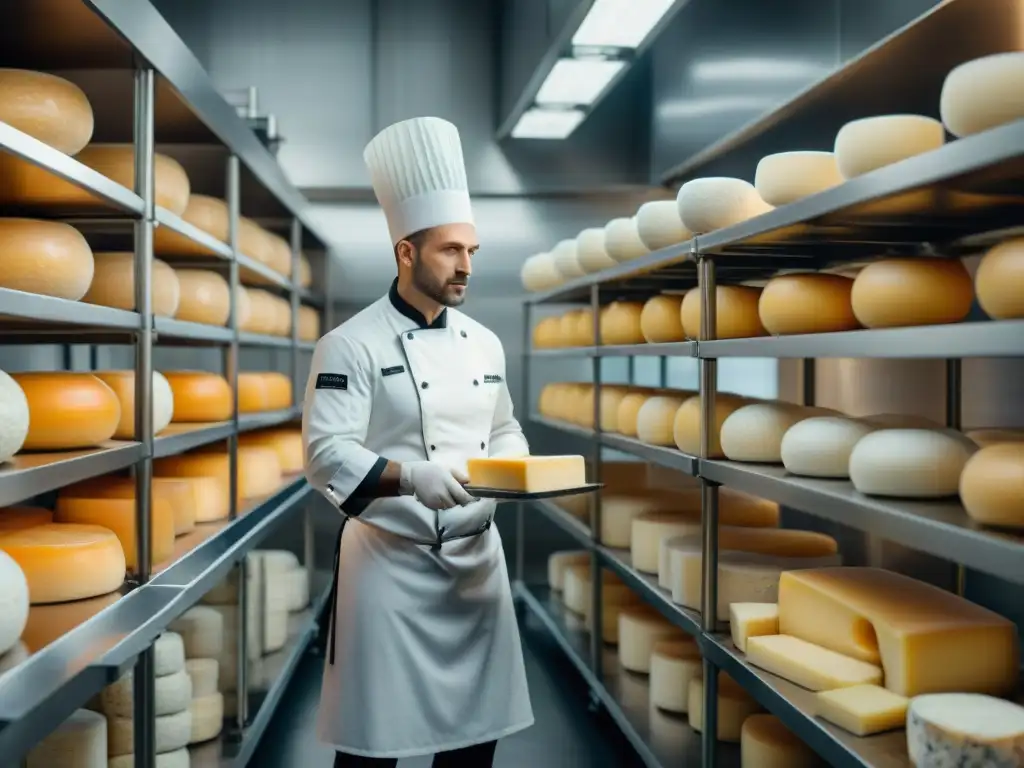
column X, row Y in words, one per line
column 407, row 309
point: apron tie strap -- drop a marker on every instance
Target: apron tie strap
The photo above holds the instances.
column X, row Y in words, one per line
column 332, row 616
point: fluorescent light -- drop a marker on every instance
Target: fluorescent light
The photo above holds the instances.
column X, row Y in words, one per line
column 577, row 81
column 758, row 70
column 620, row 23
column 547, row 123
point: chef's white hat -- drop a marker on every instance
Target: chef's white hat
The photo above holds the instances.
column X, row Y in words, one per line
column 419, row 175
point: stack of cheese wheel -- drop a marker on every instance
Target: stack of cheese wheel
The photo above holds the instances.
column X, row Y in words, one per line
column 999, row 281
column 559, row 562
column 547, row 334
column 49, row 108
column 268, row 314
column 706, row 205
column 284, row 566
column 223, row 599
column 674, row 663
column 208, row 214
column 640, row 627
column 205, row 297
column 173, row 697
column 113, row 284
column 202, row 631
column 906, row 292
column 14, row 415
column 540, row 274
column 736, row 312
column 286, row 441
column 263, row 391
column 870, row 143
column 766, row 743
column 982, row 94
column 81, row 738
column 200, row 396
column 68, row 411
column 309, row 323
column 686, row 423
column 659, row 226
column 123, row 385
column 735, row 705
column 48, row 258
column 807, row 303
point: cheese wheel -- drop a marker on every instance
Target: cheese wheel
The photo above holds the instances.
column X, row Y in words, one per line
column 14, row 599
column 280, row 254
column 821, row 446
column 622, row 239
column 627, row 418
column 656, row 418
column 651, row 529
column 640, row 627
column 660, row 319
column 547, row 333
column 748, row 620
column 705, row 205
column 305, row 271
column 309, row 324
column 538, row 273
column 659, row 226
column 46, row 107
column 14, row 417
column 68, row 410
column 564, row 257
column 48, row 258
column 618, row 511
column 80, row 741
column 253, row 396
column 674, row 663
column 205, row 213
column 200, row 396
column 686, row 425
column 207, row 718
column 590, row 252
column 620, row 323
column 964, row 729
column 786, row 177
column 987, row 437
column 904, row 292
column 901, row 421
column 754, row 432
column 202, row 632
column 558, row 562
column 205, row 672
column 611, row 398
column 46, row 555
column 807, row 303
column 766, row 743
column 576, row 587
column 123, row 385
column 205, row 297
column 179, row 758
column 172, row 694
column 870, row 143
column 19, row 518
column 279, row 390
column 264, row 312
column 984, row 93
column 736, row 312
column 113, row 284
column 999, row 281
column 254, row 241
column 735, row 705
column 992, row 485
column 172, row 733
column 909, row 463
column 286, row 442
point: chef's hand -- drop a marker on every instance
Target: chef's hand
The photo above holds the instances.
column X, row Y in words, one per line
column 436, row 486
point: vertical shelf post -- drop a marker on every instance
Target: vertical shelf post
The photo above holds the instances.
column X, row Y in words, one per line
column 293, row 296
column 954, row 420
column 596, row 608
column 527, row 339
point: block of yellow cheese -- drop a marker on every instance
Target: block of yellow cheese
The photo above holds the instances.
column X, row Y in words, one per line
column 528, row 474
column 48, row 258
column 766, row 743
column 207, row 214
column 113, row 284
column 19, row 518
column 199, row 396
column 809, row 665
column 205, row 297
column 927, row 640
column 735, row 705
column 862, row 710
column 68, row 410
column 66, row 562
column 747, row 620
column 49, row 108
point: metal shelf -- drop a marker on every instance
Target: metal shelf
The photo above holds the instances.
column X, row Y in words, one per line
column 307, row 346
column 31, row 474
column 647, row 587
column 178, row 438
column 169, row 331
column 940, row 528
column 262, row 340
column 575, row 527
column 177, row 224
column 249, row 266
column 673, row 349
column 50, row 309
column 250, row 421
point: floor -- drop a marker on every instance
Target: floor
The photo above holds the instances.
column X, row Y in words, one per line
column 565, row 734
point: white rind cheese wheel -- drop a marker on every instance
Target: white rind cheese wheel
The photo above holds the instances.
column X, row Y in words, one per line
column 204, row 673
column 905, row 292
column 179, row 758
column 14, row 417
column 999, row 281
column 656, row 417
column 674, row 663
column 807, row 303
column 821, row 446
column 78, row 742
column 172, row 694
column 754, row 432
column 735, row 705
column 48, row 258
column 706, row 205
column 539, row 273
column 871, row 143
column 992, row 485
column 964, row 729
column 909, row 463
column 46, row 107
column 622, row 240
column 748, row 620
column 736, row 312
column 564, row 257
column 68, row 410
column 786, row 177
column 113, row 284
column 590, row 252
column 640, row 627
column 983, row 93
column 686, row 425
column 620, row 323
column 659, row 226
column 171, row 734
column 660, row 320
column 766, row 743
column 207, row 717
column 123, row 385
column 13, row 602
column 168, row 654
column 297, row 585
column 202, row 632
column 650, row 530
column 205, row 297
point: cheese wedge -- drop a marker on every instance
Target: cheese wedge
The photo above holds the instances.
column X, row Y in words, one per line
column 809, row 665
column 747, row 620
column 528, row 474
column 862, row 710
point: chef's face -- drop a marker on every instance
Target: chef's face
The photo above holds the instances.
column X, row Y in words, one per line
column 441, row 262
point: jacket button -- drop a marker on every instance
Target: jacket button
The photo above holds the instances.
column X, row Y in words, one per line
column 424, row 385
column 482, row 446
column 408, row 336
column 476, row 383
column 463, row 334
column 433, row 447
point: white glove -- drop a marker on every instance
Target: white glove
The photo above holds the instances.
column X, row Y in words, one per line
column 436, row 486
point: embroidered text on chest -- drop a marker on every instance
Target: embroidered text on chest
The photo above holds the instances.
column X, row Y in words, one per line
column 492, row 378
column 392, row 370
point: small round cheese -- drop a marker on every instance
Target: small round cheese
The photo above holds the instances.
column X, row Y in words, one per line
column 46, row 107
column 786, row 177
column 736, row 312
column 999, row 281
column 909, row 463
column 280, row 257
column 309, row 324
column 659, row 226
column 68, row 410
column 686, row 425
column 14, row 601
column 807, row 303
column 640, row 627
column 656, row 417
column 590, row 252
column 547, row 333
column 199, row 396
column 754, row 432
column 576, row 591
column 660, row 320
column 259, row 469
column 558, row 562
column 80, row 741
column 620, row 323
column 984, row 93
column 968, row 729
column 622, row 239
column 673, row 664
column 538, row 273
column 207, row 214
column 123, row 385
column 705, row 205
column 564, row 257
column 48, row 258
column 870, row 143
column 905, row 292
column 821, row 446
column 205, row 297
column 766, row 743
column 113, row 284
column 14, row 417
column 992, row 485
column 253, row 395
column 652, row 528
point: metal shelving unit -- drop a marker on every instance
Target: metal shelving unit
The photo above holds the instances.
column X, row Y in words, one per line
column 133, row 66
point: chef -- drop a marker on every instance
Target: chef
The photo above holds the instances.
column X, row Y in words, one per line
column 423, row 652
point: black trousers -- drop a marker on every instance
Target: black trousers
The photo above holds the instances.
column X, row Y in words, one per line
column 477, row 756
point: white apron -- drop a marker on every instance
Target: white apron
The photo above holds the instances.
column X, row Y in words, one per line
column 426, row 654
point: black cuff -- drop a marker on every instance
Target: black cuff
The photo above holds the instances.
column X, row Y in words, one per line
column 364, row 493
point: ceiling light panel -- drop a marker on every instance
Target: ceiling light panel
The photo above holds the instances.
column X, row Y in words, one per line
column 577, row 81
column 620, row 23
column 547, row 123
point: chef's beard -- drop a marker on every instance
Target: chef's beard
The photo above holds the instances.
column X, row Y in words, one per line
column 437, row 290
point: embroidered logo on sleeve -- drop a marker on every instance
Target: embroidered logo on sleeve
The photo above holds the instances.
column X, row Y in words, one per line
column 332, row 381
column 492, row 378
column 392, row 370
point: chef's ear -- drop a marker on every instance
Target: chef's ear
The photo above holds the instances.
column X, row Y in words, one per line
column 404, row 252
